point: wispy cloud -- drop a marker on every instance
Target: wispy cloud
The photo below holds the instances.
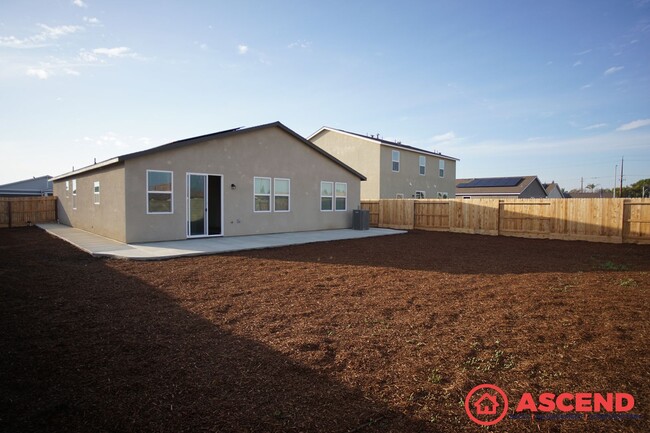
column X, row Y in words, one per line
column 634, row 125
column 595, row 126
column 578, row 63
column 242, row 49
column 447, row 136
column 98, row 55
column 41, row 74
column 43, row 38
column 586, row 86
column 112, row 139
column 79, row 3
column 613, row 70
column 582, row 53
column 92, row 20
column 299, row 44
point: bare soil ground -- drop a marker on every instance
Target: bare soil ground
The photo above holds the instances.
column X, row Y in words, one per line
column 370, row 335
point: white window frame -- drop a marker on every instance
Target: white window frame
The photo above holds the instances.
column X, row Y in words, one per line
column 399, row 195
column 333, row 206
column 287, row 195
column 394, row 160
column 74, row 193
column 67, row 189
column 422, row 194
column 336, row 196
column 96, row 192
column 443, row 195
column 269, row 195
column 441, row 168
column 170, row 192
column 422, row 165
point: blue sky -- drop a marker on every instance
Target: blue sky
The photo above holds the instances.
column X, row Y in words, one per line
column 560, row 89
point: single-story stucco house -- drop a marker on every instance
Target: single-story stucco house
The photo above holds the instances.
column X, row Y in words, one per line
column 264, row 179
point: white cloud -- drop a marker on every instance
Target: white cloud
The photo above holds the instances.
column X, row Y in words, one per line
column 112, row 139
column 79, row 3
column 242, row 49
column 586, row 86
column 578, row 63
column 582, row 53
column 614, row 69
column 634, row 125
column 299, row 44
column 41, row 39
column 41, row 74
column 595, row 126
column 447, row 136
column 115, row 52
column 91, row 20
column 71, row 72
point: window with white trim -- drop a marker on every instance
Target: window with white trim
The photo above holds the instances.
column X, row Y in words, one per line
column 74, row 193
column 160, row 192
column 67, row 188
column 326, row 196
column 443, row 195
column 96, row 192
column 420, row 194
column 423, row 165
column 341, row 192
column 281, row 194
column 262, row 194
column 395, row 159
column 441, row 168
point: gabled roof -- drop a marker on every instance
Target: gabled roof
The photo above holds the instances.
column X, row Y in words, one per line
column 488, row 186
column 381, row 141
column 34, row 186
column 549, row 187
column 204, row 138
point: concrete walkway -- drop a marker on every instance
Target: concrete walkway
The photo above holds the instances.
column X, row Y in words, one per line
column 100, row 246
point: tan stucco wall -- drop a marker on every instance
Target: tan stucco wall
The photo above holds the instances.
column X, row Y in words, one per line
column 268, row 152
column 408, row 179
column 107, row 217
column 360, row 154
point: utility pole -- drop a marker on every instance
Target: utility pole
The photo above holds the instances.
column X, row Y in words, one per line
column 621, row 194
column 615, row 172
column 581, row 186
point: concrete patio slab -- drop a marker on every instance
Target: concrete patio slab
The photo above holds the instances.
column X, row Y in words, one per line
column 100, row 246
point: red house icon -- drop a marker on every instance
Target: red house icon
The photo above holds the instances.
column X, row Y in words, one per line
column 486, row 408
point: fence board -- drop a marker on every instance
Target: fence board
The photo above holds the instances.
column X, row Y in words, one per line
column 372, row 206
column 24, row 211
column 396, row 214
column 636, row 221
column 431, row 215
column 597, row 220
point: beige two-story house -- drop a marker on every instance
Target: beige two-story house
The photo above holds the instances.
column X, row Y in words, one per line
column 392, row 169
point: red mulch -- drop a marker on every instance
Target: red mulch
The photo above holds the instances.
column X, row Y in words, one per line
column 371, row 335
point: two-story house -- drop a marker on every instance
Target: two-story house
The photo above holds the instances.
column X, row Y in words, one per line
column 392, row 169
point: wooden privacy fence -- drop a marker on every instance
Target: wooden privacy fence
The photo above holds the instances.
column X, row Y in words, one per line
column 23, row 211
column 614, row 220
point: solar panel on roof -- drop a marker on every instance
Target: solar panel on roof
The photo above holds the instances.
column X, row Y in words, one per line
column 494, row 182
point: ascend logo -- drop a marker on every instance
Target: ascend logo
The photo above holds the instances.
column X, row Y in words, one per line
column 487, row 404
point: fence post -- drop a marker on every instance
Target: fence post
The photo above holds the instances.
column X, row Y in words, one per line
column 9, row 211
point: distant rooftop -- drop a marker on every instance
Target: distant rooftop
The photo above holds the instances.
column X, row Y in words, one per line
column 395, row 143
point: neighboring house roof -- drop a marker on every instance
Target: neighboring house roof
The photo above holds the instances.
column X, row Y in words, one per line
column 203, row 138
column 550, row 187
column 495, row 185
column 41, row 185
column 384, row 142
column 597, row 194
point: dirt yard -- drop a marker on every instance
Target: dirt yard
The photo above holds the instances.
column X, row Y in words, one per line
column 373, row 335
